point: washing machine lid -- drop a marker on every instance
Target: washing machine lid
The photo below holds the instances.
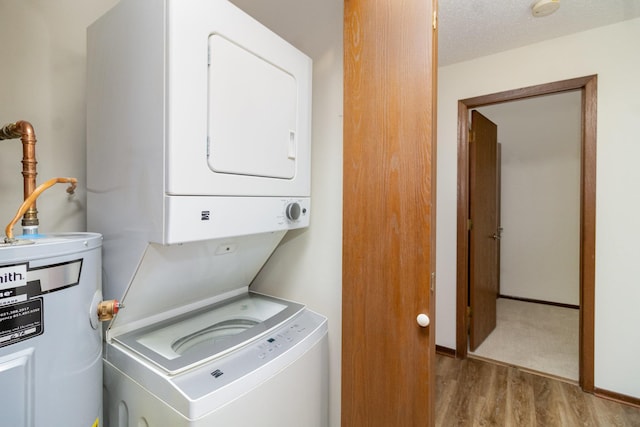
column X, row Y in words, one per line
column 181, row 343
column 170, row 280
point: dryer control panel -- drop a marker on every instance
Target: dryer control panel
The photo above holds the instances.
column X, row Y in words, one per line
column 191, row 218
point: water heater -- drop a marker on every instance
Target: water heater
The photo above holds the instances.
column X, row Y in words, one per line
column 50, row 338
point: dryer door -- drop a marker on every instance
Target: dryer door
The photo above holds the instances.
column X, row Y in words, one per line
column 238, row 106
column 252, row 113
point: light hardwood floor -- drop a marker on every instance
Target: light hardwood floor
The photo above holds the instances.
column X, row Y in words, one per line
column 472, row 392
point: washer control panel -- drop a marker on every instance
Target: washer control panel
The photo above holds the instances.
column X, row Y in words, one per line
column 276, row 344
column 225, row 370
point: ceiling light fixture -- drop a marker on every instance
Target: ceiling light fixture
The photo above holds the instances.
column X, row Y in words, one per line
column 544, row 7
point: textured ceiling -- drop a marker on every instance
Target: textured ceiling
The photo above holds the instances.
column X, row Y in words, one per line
column 470, row 29
column 467, row 29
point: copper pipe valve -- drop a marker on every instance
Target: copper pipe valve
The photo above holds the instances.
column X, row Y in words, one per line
column 24, row 130
column 108, row 309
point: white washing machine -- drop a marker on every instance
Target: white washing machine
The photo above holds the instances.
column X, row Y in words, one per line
column 193, row 346
column 251, row 360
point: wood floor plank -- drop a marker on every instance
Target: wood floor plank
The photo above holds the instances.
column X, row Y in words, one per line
column 579, row 410
column 494, row 410
column 478, row 393
column 609, row 413
column 547, row 402
column 520, row 399
column 462, row 411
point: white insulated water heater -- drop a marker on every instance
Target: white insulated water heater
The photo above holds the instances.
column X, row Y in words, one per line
column 50, row 337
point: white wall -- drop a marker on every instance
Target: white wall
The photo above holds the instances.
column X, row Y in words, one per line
column 307, row 266
column 611, row 52
column 540, row 203
column 42, row 80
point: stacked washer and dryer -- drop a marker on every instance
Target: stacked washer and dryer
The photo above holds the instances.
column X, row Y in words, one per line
column 199, row 122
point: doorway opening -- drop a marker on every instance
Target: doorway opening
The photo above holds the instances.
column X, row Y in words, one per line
column 588, row 87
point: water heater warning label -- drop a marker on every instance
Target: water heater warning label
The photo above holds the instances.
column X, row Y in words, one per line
column 19, row 322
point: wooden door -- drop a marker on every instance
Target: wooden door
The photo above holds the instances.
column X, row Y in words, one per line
column 388, row 213
column 498, row 211
column 483, row 238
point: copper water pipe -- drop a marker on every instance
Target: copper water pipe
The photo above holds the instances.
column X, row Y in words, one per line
column 24, row 130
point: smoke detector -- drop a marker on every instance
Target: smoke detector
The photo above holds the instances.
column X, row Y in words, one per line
column 544, row 7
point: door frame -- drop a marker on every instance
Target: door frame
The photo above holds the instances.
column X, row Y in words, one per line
column 588, row 87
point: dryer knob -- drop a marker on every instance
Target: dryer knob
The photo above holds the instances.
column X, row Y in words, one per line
column 293, row 211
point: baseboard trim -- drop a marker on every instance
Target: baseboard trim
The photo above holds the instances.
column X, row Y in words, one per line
column 617, row 397
column 537, row 301
column 445, row 351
